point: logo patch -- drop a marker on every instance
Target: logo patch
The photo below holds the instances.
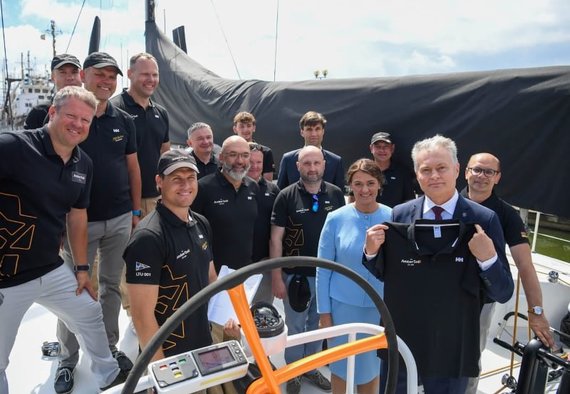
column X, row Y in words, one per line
column 78, row 177
column 140, row 266
column 459, row 259
column 118, row 138
column 411, row 262
column 183, row 254
column 116, row 130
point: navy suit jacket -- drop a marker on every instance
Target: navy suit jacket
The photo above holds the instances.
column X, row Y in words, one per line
column 497, row 279
column 288, row 173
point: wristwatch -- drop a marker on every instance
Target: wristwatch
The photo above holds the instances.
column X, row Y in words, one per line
column 137, row 212
column 536, row 310
column 80, row 267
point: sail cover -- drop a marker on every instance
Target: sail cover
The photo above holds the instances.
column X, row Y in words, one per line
column 521, row 115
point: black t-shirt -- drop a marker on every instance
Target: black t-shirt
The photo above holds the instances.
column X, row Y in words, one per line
column 398, row 186
column 432, row 288
column 293, row 211
column 112, row 136
column 268, row 162
column 232, row 216
column 266, row 197
column 37, row 117
column 152, row 131
column 514, row 229
column 168, row 252
column 37, row 190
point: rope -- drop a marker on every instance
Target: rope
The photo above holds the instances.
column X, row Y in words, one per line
column 225, row 38
column 74, row 26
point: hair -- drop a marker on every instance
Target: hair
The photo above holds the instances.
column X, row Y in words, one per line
column 197, row 126
column 437, row 141
column 368, row 167
column 141, row 55
column 76, row 92
column 244, row 117
column 312, row 118
column 254, row 146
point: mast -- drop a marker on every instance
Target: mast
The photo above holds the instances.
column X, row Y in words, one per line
column 150, row 6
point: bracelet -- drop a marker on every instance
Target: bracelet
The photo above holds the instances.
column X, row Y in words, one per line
column 137, row 212
column 80, row 267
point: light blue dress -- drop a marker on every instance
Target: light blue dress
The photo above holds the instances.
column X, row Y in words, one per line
column 342, row 240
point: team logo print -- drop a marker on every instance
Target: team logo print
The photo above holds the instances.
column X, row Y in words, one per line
column 459, row 259
column 410, row 262
column 205, row 246
column 78, row 177
column 140, row 266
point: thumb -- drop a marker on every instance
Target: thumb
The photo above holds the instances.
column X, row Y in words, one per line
column 479, row 229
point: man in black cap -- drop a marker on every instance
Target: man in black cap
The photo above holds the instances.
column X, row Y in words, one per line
column 114, row 208
column 64, row 72
column 170, row 253
column 398, row 184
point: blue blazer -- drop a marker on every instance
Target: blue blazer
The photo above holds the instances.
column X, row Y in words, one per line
column 288, row 173
column 498, row 280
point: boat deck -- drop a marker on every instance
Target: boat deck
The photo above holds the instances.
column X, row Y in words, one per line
column 29, row 373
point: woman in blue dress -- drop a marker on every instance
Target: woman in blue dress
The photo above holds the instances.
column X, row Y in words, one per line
column 339, row 299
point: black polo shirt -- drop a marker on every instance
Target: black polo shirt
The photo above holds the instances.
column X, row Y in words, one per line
column 206, row 168
column 112, row 136
column 37, row 117
column 432, row 288
column 514, row 229
column 266, row 197
column 232, row 216
column 37, row 190
column 152, row 131
column 293, row 211
column 175, row 255
column 398, row 186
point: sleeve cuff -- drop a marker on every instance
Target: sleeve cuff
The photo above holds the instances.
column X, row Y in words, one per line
column 485, row 265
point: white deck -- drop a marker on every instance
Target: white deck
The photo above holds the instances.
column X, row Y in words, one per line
column 29, row 373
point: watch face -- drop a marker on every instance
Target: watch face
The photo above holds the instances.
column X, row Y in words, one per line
column 537, row 310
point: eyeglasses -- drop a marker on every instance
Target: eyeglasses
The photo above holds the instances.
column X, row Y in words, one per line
column 485, row 171
column 315, row 206
column 235, row 155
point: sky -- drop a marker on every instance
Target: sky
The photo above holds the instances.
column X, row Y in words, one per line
column 291, row 39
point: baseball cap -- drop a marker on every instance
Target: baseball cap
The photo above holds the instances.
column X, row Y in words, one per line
column 174, row 159
column 100, row 60
column 381, row 136
column 64, row 58
column 299, row 293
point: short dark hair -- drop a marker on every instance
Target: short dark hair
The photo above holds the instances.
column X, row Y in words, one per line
column 367, row 166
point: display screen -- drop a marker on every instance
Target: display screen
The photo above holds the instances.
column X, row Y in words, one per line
column 213, row 359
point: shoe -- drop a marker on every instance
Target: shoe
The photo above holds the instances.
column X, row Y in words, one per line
column 294, row 386
column 124, row 362
column 319, row 380
column 63, row 383
column 121, row 377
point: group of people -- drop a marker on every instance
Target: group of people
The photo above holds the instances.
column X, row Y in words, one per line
column 94, row 181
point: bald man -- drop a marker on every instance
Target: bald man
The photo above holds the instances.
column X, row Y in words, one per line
column 228, row 199
column 482, row 173
column 298, row 216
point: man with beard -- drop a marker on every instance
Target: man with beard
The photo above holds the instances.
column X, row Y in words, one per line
column 298, row 216
column 228, row 199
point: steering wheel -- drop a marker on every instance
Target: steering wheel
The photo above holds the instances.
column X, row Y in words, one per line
column 270, row 380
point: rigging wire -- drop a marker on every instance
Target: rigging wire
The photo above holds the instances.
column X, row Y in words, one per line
column 225, row 38
column 7, row 103
column 74, row 26
column 276, row 37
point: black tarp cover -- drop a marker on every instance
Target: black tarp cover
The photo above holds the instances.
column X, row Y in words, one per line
column 521, row 115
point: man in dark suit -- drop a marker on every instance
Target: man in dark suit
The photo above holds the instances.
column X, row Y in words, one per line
column 437, row 169
column 312, row 126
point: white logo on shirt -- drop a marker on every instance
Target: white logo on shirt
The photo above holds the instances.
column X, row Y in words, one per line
column 183, row 254
column 411, row 262
column 459, row 259
column 116, row 130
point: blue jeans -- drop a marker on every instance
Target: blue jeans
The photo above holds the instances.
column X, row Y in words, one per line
column 298, row 322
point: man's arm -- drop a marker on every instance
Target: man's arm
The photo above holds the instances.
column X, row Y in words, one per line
column 276, row 250
column 77, row 237
column 134, row 172
column 143, row 299
column 212, row 275
column 538, row 323
column 282, row 177
column 164, row 147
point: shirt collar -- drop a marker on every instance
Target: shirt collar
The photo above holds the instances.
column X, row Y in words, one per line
column 448, row 206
